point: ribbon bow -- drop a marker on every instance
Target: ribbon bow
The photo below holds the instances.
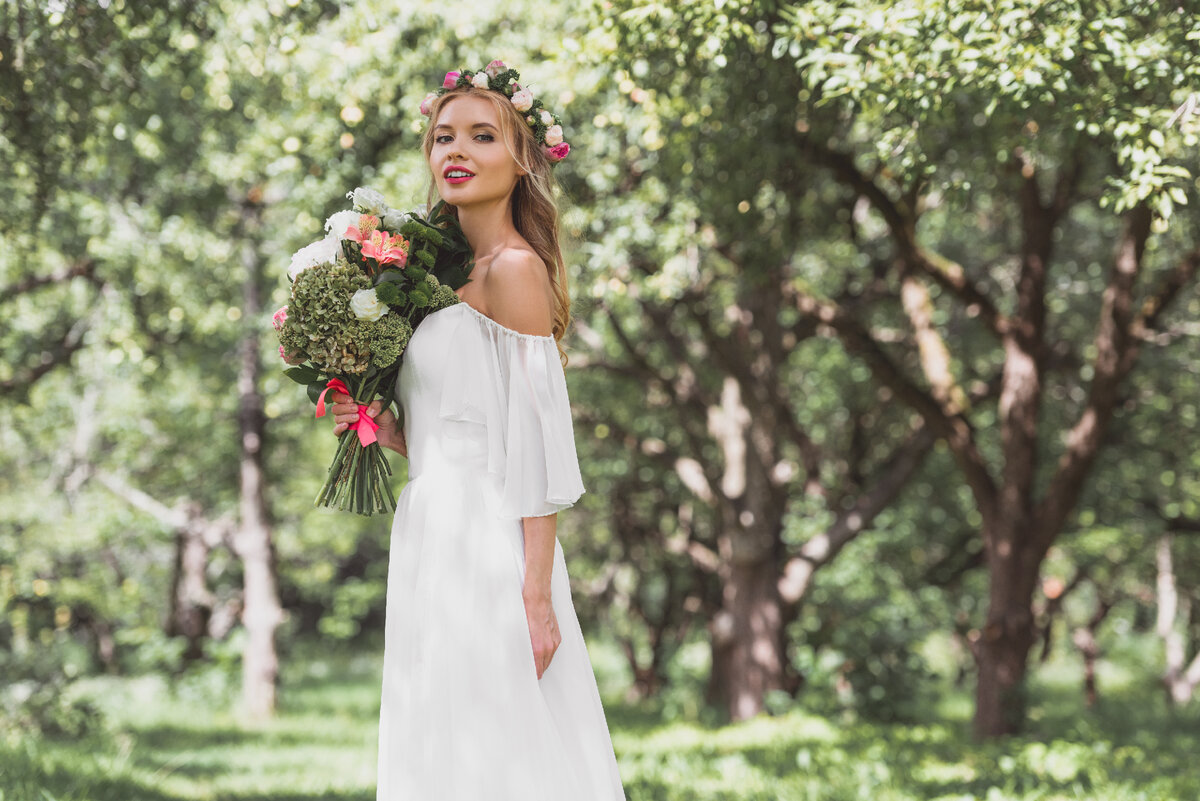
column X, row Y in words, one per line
column 364, row 426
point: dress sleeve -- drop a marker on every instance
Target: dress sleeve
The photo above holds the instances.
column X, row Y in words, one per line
column 514, row 384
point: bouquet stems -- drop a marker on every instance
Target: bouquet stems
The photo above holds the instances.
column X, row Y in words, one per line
column 357, row 480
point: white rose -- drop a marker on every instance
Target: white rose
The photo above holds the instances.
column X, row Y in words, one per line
column 338, row 223
column 547, row 118
column 554, row 135
column 323, row 251
column 366, row 305
column 480, row 81
column 368, row 201
column 522, row 99
column 395, row 218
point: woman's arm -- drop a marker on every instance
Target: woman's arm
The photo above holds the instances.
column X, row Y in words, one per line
column 544, row 635
column 539, row 556
column 516, row 289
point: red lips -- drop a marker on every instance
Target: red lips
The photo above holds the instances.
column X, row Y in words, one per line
column 465, row 174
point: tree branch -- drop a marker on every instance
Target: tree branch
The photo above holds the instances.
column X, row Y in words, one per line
column 901, row 221
column 85, row 268
column 954, row 428
column 1115, row 355
column 58, row 353
column 820, row 549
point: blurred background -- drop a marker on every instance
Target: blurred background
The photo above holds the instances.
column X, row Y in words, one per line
column 884, row 367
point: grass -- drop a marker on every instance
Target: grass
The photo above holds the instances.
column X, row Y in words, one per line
column 172, row 743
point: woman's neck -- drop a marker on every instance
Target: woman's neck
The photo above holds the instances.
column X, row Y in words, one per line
column 488, row 227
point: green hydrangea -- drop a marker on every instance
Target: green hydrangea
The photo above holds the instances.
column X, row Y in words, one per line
column 389, row 338
column 443, row 296
column 321, row 323
column 292, row 338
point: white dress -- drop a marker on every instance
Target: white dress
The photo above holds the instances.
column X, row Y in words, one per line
column 464, row 716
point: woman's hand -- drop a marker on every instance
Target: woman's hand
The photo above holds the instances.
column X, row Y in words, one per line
column 345, row 412
column 543, row 631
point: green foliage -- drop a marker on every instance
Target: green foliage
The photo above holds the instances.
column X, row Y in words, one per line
column 137, row 138
column 1058, row 71
column 164, row 742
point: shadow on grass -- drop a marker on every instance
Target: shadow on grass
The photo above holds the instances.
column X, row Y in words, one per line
column 26, row 777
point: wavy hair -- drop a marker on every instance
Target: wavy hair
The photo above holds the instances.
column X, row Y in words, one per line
column 534, row 210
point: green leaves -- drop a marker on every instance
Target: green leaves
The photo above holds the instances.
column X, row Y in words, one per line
column 302, row 374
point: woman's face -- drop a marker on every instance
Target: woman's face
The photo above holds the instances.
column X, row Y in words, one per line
column 470, row 162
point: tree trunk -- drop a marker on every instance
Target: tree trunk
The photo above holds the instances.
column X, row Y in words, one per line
column 191, row 601
column 747, row 639
column 1002, row 648
column 1085, row 640
column 261, row 611
column 1180, row 679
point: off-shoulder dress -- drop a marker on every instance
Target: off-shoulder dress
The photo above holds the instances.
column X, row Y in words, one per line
column 464, row 716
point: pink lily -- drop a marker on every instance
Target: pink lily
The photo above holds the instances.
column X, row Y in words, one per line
column 386, row 249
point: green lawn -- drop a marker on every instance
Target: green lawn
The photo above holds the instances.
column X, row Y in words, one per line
column 163, row 743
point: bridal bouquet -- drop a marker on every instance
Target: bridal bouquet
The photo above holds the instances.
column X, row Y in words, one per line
column 356, row 297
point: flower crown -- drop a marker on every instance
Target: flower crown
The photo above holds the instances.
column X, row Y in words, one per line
column 546, row 126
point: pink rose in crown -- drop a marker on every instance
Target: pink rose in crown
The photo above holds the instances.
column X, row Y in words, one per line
column 495, row 68
column 451, row 80
column 558, row 152
column 522, row 99
column 279, row 317
column 427, row 103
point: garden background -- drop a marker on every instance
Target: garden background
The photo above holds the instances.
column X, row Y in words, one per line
column 884, row 367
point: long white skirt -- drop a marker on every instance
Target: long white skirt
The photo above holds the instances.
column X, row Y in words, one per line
column 464, row 716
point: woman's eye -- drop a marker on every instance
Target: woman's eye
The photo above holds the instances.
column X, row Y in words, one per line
column 442, row 139
column 486, row 137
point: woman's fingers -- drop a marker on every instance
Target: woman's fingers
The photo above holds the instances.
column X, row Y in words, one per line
column 345, row 411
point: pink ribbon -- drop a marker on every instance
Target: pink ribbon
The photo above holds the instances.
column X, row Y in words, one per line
column 364, row 426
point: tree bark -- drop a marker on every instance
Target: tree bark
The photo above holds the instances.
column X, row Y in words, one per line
column 1003, row 644
column 191, row 601
column 1179, row 679
column 261, row 611
column 1085, row 640
column 747, row 639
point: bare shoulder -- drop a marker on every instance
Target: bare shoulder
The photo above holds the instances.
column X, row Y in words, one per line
column 518, row 292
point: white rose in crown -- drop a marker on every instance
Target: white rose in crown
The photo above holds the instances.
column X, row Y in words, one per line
column 366, row 306
column 480, row 80
column 336, row 225
column 522, row 99
column 323, row 251
column 368, row 201
column 547, row 118
column 554, row 135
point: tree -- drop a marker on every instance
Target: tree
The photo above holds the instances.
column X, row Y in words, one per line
column 954, row 234
column 701, row 318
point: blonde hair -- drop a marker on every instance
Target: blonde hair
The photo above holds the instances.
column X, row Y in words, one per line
column 534, row 210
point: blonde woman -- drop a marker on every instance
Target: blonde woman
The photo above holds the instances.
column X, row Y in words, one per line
column 488, row 694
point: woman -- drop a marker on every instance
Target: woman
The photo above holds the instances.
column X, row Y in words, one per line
column 485, row 697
